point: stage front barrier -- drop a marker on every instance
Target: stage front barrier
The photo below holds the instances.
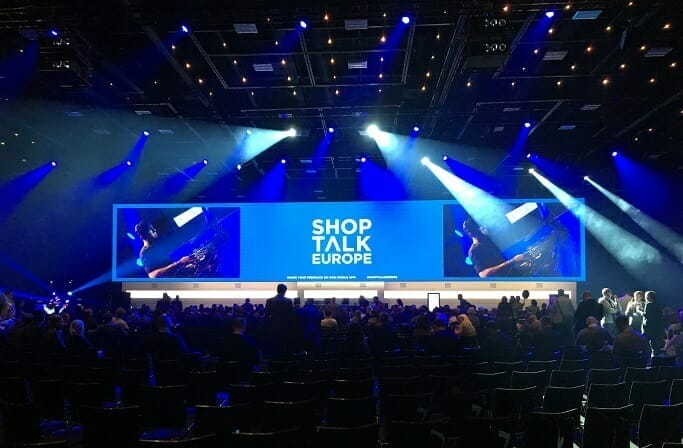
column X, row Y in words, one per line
column 479, row 293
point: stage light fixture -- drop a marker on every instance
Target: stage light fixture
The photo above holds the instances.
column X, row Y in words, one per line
column 532, row 171
column 302, row 24
column 145, row 133
column 444, row 158
column 416, row 129
column 184, row 28
column 129, row 163
column 291, row 132
column 249, row 131
column 69, row 293
column 615, row 153
column 330, row 130
column 372, row 130
column 53, row 163
column 405, row 20
column 424, row 160
column 363, row 159
column 528, row 156
column 54, row 33
column 527, row 124
column 239, row 167
column 586, row 178
column 205, row 162
column 283, row 161
column 550, row 14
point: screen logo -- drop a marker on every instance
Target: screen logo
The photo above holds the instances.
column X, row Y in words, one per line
column 341, row 241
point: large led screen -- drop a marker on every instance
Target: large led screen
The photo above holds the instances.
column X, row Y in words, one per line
column 347, row 241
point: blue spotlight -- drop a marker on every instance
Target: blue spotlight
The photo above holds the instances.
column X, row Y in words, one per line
column 239, row 167
column 54, row 33
column 550, row 14
column 205, row 162
column 145, row 133
column 527, row 124
column 53, row 163
column 586, row 178
column 416, row 129
column 372, row 130
column 283, row 161
column 302, row 24
column 330, row 130
column 444, row 158
column 184, row 28
column 424, row 160
column 291, row 132
column 70, row 293
column 249, row 131
column 363, row 159
column 528, row 156
column 615, row 153
column 129, row 163
column 405, row 20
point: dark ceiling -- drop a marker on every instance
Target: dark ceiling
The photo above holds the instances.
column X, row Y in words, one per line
column 604, row 92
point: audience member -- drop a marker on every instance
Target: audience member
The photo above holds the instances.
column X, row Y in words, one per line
column 593, row 338
column 628, row 342
column 610, row 308
column 329, row 322
column 653, row 323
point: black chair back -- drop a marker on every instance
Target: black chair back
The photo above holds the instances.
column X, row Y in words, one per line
column 111, row 427
column 659, row 424
column 550, row 429
column 607, row 427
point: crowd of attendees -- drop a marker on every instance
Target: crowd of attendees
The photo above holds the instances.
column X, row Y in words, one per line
column 635, row 325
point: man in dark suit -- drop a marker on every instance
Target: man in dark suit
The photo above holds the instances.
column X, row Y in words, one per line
column 587, row 308
column 654, row 322
column 278, row 318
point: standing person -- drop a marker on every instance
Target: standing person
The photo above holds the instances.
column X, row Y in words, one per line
column 635, row 311
column 653, row 324
column 610, row 308
column 278, row 318
column 588, row 307
column 8, row 311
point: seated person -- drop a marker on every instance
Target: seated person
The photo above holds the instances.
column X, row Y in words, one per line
column 594, row 338
column 329, row 322
column 628, row 341
column 76, row 343
column 164, row 344
column 239, row 347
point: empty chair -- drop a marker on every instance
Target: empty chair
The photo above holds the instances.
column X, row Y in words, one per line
column 659, row 424
column 633, row 360
column 278, row 415
column 111, row 427
column 669, row 373
column 640, row 374
column 607, row 427
column 513, row 403
column 163, row 406
column 203, row 387
column 223, row 420
column 602, row 360
column 364, row 436
column 567, row 378
column 250, row 393
column 490, row 380
column 353, row 388
column 534, row 366
column 406, row 385
column 573, row 364
column 354, row 373
column 603, row 376
column 411, row 434
column 20, row 422
column 51, row 444
column 647, row 392
column 550, row 429
column 676, row 392
column 406, row 406
column 206, row 441
column 608, row 395
column 14, row 389
column 49, row 397
column 286, row 438
column 301, row 390
column 351, row 411
column 86, row 394
column 538, row 380
column 562, row 399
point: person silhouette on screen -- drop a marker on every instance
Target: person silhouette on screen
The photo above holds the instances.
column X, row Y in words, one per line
column 487, row 260
column 155, row 261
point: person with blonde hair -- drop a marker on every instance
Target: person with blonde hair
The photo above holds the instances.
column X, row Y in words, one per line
column 466, row 331
column 635, row 310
